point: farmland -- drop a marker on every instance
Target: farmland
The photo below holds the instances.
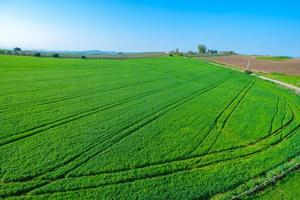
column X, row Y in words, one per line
column 165, row 127
column 266, row 64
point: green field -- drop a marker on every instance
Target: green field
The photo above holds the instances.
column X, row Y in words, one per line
column 293, row 80
column 287, row 189
column 273, row 58
column 151, row 128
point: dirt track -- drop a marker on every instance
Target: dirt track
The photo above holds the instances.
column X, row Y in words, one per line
column 290, row 66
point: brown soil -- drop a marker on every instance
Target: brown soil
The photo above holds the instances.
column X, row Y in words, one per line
column 290, row 66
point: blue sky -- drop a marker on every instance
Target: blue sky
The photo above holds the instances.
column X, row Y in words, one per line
column 250, row 27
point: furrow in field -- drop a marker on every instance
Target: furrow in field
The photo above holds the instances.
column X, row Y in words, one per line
column 46, row 102
column 215, row 122
column 83, row 158
column 87, row 77
column 206, row 164
column 148, row 176
column 127, row 131
column 62, row 121
column 284, row 116
column 228, row 116
column 141, row 166
column 192, row 156
column 276, row 112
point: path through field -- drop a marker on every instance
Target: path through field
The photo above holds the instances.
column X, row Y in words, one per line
column 167, row 128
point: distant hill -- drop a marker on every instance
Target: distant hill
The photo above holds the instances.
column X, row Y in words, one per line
column 87, row 52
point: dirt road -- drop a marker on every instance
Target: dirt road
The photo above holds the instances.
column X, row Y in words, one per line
column 286, row 85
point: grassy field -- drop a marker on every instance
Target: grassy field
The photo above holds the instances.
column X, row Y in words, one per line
column 287, row 189
column 166, row 128
column 293, row 80
column 273, row 58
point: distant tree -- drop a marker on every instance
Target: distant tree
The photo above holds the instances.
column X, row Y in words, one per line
column 212, row 51
column 191, row 52
column 201, row 49
column 228, row 53
column 55, row 55
column 177, row 51
column 83, row 57
column 37, row 54
column 17, row 49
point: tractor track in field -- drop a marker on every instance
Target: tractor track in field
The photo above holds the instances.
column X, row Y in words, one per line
column 61, row 121
column 243, row 95
column 159, row 174
column 215, row 122
column 190, row 157
column 34, row 91
column 76, row 116
column 153, row 116
column 276, row 112
column 25, row 104
column 25, row 192
column 44, row 127
column 185, row 168
column 181, row 159
column 140, row 167
column 284, row 116
column 278, row 130
column 45, row 124
column 180, row 102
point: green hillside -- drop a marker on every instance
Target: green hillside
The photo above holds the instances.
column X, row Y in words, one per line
column 148, row 128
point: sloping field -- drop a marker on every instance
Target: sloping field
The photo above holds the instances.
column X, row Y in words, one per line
column 153, row 128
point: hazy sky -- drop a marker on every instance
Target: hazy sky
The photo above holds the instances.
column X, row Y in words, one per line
column 252, row 27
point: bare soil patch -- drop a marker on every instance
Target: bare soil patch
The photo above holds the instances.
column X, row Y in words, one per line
column 289, row 67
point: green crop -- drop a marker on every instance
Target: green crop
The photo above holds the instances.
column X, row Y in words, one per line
column 273, row 58
column 148, row 128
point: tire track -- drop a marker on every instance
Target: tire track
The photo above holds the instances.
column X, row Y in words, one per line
column 284, row 116
column 214, row 123
column 23, row 105
column 186, row 168
column 191, row 157
column 127, row 131
column 76, row 116
column 63, row 78
column 147, row 176
column 141, row 166
column 43, row 127
column 185, row 158
column 290, row 136
column 276, row 112
column 180, row 102
column 228, row 116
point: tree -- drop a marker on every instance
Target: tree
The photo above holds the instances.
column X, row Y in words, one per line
column 209, row 51
column 83, row 57
column 17, row 49
column 37, row 54
column 190, row 52
column 55, row 55
column 201, row 49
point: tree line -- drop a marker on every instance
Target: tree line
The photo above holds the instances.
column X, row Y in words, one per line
column 202, row 50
